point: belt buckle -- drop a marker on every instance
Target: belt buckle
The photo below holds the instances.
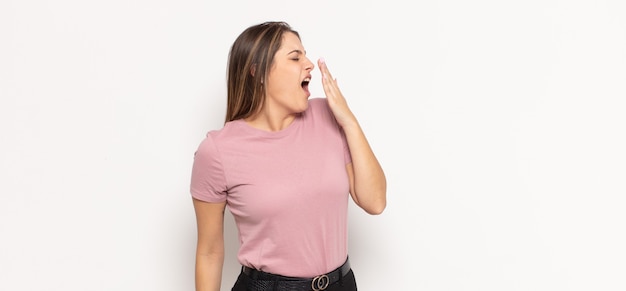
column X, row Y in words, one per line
column 320, row 283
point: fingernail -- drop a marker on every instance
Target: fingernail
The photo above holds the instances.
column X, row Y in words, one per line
column 322, row 60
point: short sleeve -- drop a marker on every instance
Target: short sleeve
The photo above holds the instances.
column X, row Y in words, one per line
column 208, row 182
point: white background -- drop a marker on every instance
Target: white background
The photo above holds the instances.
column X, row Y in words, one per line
column 500, row 125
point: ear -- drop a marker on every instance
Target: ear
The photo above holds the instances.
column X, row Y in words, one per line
column 253, row 70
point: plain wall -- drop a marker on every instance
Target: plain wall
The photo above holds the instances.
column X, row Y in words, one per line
column 500, row 125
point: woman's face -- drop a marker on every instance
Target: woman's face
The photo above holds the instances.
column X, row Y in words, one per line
column 287, row 84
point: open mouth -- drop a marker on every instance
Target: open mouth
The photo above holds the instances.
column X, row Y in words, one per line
column 305, row 84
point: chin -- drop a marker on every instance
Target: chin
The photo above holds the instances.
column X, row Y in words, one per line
column 303, row 107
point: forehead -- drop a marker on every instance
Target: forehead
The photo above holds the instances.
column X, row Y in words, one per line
column 291, row 42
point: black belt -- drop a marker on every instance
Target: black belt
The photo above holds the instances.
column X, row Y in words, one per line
column 318, row 283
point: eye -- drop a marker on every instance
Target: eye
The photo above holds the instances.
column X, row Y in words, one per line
column 296, row 59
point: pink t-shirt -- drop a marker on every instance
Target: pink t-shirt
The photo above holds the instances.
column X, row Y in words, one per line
column 287, row 190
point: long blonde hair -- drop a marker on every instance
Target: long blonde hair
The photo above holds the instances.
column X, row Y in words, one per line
column 249, row 62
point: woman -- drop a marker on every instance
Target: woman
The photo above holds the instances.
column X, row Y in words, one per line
column 284, row 164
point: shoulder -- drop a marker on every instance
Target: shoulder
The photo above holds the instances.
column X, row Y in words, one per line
column 208, row 157
column 319, row 113
column 317, row 103
column 319, row 107
column 217, row 137
column 207, row 149
column 210, row 142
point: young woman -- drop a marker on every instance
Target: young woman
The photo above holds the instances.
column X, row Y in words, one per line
column 285, row 165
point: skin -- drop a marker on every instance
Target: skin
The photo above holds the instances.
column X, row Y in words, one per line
column 368, row 185
column 285, row 99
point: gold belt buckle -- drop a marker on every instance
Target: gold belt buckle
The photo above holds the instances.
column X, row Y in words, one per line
column 320, row 283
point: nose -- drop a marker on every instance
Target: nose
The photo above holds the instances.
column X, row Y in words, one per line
column 309, row 66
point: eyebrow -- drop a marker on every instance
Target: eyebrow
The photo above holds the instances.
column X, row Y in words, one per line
column 297, row 51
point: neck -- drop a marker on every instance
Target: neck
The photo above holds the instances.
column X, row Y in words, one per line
column 270, row 122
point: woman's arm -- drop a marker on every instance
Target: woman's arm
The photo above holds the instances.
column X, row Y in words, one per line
column 368, row 185
column 210, row 247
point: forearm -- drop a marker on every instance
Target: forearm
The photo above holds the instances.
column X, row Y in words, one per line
column 370, row 185
column 209, row 271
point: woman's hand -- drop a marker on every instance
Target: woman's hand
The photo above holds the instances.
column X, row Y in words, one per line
column 368, row 185
column 336, row 101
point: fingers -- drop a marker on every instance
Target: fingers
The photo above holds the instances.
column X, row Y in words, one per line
column 336, row 101
column 328, row 86
column 328, row 82
column 321, row 63
column 326, row 77
column 324, row 69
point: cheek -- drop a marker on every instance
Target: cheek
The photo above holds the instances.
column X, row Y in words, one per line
column 284, row 78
